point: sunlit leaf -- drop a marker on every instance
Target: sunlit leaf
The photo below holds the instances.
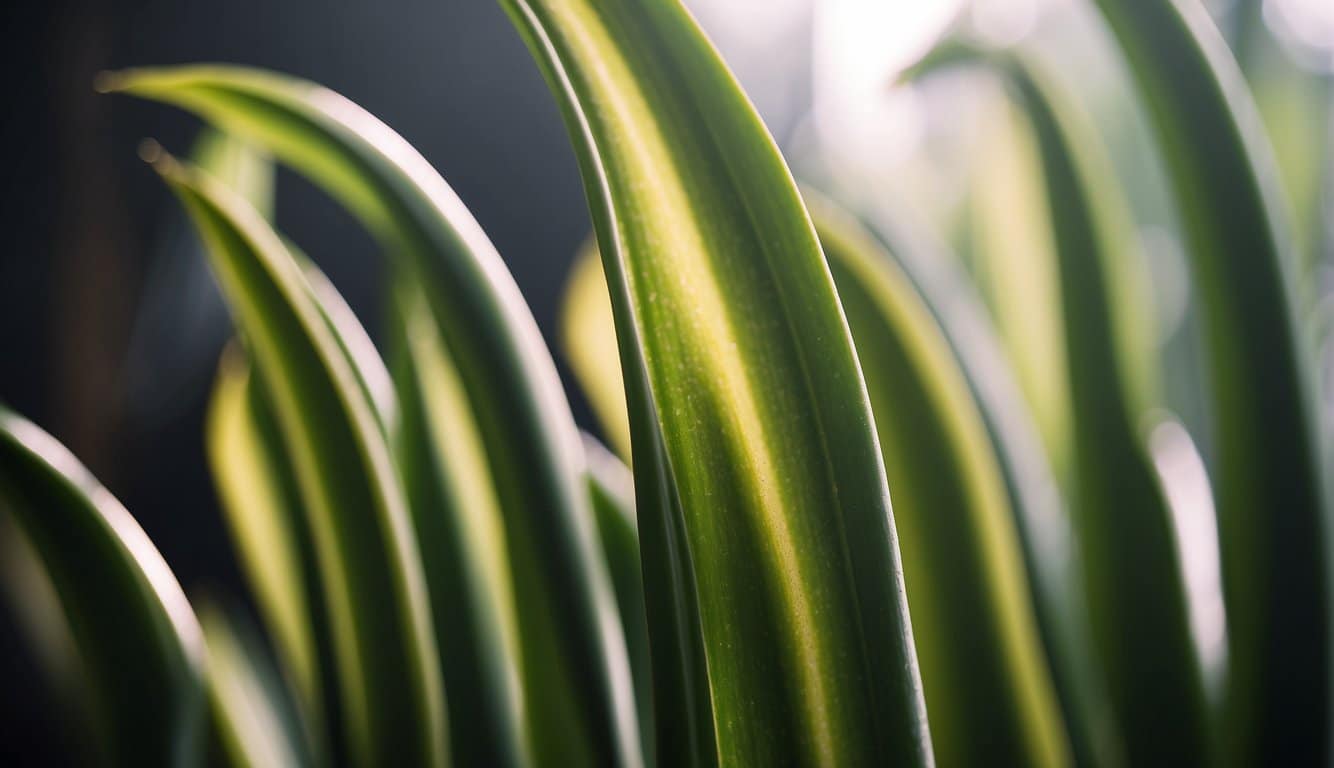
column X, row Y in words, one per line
column 262, row 507
column 1138, row 602
column 988, row 691
column 576, row 668
column 1014, row 258
column 462, row 535
column 388, row 673
column 1041, row 519
column 758, row 477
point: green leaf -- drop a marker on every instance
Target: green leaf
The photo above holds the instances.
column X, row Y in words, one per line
column 237, row 164
column 1014, row 258
column 253, row 719
column 614, row 504
column 458, row 521
column 262, row 507
column 1268, row 471
column 372, row 376
column 745, row 401
column 1040, row 517
column 388, row 674
column 1137, row 599
column 576, row 670
column 138, row 641
column 988, row 691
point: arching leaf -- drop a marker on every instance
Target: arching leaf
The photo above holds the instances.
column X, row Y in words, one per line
column 390, row 687
column 254, row 721
column 138, row 641
column 751, row 431
column 575, row 664
column 1270, row 485
column 459, row 524
column 988, row 690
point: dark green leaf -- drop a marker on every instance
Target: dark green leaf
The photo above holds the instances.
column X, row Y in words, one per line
column 138, row 641
column 614, row 503
column 1270, row 486
column 461, row 530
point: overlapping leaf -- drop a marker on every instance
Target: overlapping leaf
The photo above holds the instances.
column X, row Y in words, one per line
column 388, row 674
column 988, row 690
column 138, row 641
column 1270, row 488
column 252, row 717
column 614, row 503
column 760, row 491
column 575, row 664
column 459, row 525
column 1137, row 597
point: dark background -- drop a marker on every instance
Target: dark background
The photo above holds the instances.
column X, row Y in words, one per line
column 83, row 219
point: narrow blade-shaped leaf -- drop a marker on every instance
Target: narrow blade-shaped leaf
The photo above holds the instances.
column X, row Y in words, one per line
column 1014, row 260
column 988, row 690
column 459, row 524
column 741, row 372
column 262, row 507
column 1137, row 598
column 613, row 494
column 372, row 375
column 388, row 672
column 1268, row 471
column 1041, row 519
column 138, row 641
column 253, row 719
column 575, row 663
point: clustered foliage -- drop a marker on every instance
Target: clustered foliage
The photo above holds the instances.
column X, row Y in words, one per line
column 844, row 540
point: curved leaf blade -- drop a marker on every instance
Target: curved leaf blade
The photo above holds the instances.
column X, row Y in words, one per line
column 741, row 372
column 575, row 664
column 251, row 716
column 1137, row 599
column 458, row 522
column 137, row 638
column 1041, row 519
column 988, row 691
column 388, row 673
column 1270, row 490
column 262, row 507
column 613, row 495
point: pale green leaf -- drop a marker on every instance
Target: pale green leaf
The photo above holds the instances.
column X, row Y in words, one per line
column 262, row 509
